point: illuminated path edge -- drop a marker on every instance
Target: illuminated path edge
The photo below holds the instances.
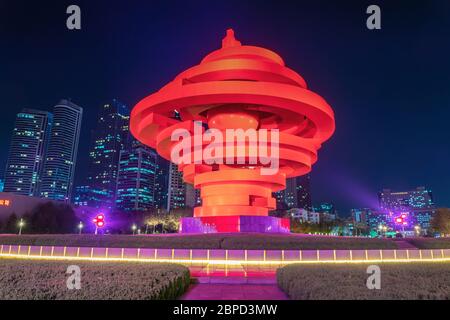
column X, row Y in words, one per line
column 207, row 257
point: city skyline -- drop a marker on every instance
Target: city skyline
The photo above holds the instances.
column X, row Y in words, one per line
column 136, row 160
column 386, row 151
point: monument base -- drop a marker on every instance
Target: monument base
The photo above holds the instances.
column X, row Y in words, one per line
column 230, row 224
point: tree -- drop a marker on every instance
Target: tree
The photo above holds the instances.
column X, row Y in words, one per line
column 441, row 221
column 11, row 224
column 50, row 217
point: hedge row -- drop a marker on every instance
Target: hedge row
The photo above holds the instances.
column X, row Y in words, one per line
column 430, row 243
column 202, row 241
column 39, row 280
column 348, row 282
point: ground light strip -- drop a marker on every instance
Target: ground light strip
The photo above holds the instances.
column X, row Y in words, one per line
column 218, row 262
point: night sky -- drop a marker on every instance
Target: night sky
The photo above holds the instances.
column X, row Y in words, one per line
column 389, row 88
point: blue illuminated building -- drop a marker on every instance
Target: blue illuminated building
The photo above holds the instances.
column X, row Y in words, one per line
column 110, row 137
column 417, row 204
column 27, row 151
column 136, row 179
column 61, row 156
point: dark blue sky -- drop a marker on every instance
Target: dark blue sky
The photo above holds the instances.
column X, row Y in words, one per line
column 390, row 88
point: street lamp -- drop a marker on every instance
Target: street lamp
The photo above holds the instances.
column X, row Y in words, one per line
column 417, row 228
column 21, row 224
column 134, row 227
column 80, row 227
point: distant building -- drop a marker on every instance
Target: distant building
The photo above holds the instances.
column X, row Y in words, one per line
column 17, row 204
column 303, row 187
column 136, row 179
column 161, row 183
column 27, row 151
column 325, row 207
column 359, row 216
column 192, row 198
column 2, row 185
column 295, row 195
column 176, row 197
column 110, row 136
column 59, row 167
column 417, row 205
column 304, row 215
column 290, row 193
column 82, row 196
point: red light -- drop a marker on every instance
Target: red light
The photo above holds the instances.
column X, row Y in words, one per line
column 399, row 220
column 403, row 216
column 99, row 221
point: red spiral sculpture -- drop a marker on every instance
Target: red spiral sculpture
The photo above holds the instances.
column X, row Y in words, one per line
column 243, row 87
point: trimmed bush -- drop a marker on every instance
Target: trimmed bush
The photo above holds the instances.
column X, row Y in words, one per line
column 39, row 280
column 430, row 243
column 400, row 281
column 202, row 241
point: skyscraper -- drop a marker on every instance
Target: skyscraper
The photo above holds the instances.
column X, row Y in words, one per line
column 304, row 192
column 161, row 182
column 27, row 152
column 192, row 196
column 295, row 195
column 176, row 197
column 109, row 137
column 60, row 160
column 290, row 193
column 136, row 179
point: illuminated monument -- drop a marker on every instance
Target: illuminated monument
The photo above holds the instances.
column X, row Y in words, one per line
column 236, row 87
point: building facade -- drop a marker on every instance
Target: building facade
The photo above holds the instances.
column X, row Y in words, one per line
column 410, row 208
column 161, row 183
column 176, row 197
column 136, row 179
column 27, row 151
column 109, row 138
column 60, row 161
column 303, row 187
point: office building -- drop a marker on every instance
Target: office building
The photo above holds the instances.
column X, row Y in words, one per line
column 27, row 151
column 61, row 156
column 109, row 138
column 136, row 179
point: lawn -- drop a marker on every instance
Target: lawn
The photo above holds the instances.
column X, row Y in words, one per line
column 430, row 243
column 42, row 280
column 203, row 241
column 347, row 282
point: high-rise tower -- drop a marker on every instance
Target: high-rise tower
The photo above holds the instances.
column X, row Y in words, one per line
column 136, row 179
column 60, row 161
column 27, row 152
column 110, row 136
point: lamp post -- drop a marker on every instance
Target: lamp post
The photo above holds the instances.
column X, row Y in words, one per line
column 134, row 227
column 21, row 224
column 417, row 228
column 380, row 229
column 80, row 227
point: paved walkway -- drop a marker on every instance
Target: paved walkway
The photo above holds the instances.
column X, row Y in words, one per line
column 234, row 292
